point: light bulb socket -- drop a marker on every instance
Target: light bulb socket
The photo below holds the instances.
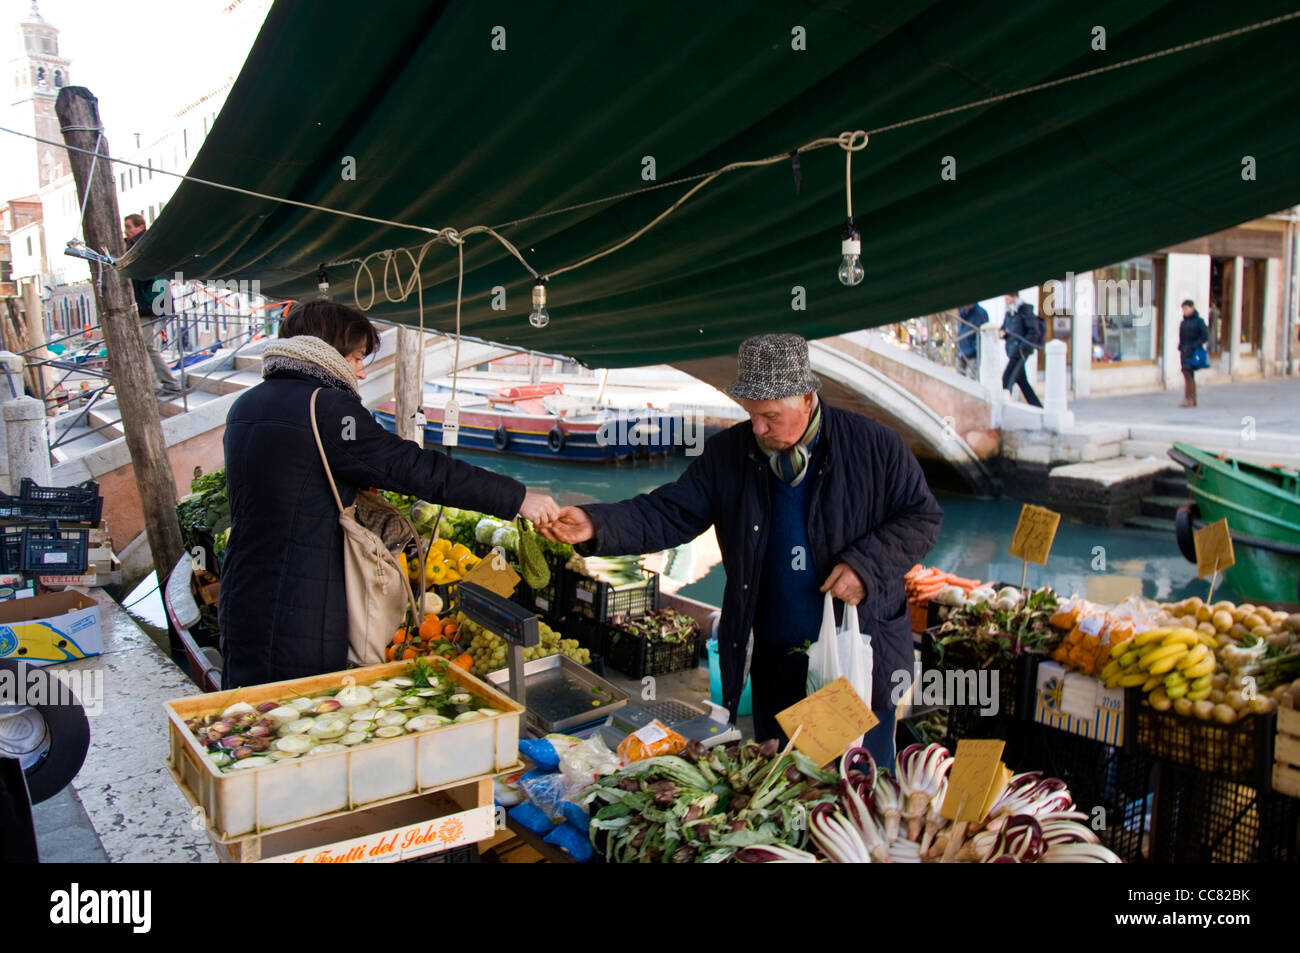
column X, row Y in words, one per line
column 850, row 246
column 322, row 280
column 539, row 294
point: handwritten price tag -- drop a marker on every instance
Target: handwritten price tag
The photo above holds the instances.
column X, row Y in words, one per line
column 831, row 718
column 977, row 777
column 1213, row 548
column 1035, row 531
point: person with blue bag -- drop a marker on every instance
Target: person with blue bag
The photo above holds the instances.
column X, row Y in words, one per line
column 1192, row 338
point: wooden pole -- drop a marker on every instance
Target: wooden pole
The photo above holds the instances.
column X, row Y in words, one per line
column 409, row 385
column 131, row 369
column 34, row 342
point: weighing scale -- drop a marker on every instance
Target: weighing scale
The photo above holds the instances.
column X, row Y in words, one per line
column 562, row 696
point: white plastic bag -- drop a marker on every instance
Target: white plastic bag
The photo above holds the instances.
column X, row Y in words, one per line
column 839, row 652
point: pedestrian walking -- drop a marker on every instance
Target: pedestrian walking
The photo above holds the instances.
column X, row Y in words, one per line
column 1023, row 331
column 147, row 292
column 972, row 318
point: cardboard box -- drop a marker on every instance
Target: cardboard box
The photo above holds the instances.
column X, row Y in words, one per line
column 55, row 627
column 1102, row 718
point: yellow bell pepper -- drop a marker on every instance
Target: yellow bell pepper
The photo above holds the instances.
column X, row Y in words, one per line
column 442, row 545
column 467, row 562
column 459, row 552
column 435, row 573
column 452, row 574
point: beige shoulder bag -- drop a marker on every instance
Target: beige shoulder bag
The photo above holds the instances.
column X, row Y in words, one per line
column 377, row 590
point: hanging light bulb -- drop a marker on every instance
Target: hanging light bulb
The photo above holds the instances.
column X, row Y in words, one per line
column 851, row 272
column 540, row 317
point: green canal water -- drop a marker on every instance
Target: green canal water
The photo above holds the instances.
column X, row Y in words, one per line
column 1090, row 560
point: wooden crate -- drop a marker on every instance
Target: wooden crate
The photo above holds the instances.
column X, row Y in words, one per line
column 1286, row 753
column 284, row 795
column 413, row 827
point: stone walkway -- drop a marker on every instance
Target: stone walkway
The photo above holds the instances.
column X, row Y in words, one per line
column 1274, row 405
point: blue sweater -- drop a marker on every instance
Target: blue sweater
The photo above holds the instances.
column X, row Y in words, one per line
column 790, row 600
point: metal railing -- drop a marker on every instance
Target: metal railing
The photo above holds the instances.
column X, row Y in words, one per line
column 189, row 318
column 937, row 337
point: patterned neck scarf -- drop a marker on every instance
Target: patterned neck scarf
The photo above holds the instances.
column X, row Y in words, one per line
column 791, row 466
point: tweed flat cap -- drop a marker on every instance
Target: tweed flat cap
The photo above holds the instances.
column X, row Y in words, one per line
column 773, row 366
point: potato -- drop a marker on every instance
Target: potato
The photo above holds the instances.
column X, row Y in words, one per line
column 1238, row 614
column 1253, row 621
column 1238, row 631
column 1223, row 640
column 1261, row 632
column 1183, row 707
column 1223, row 606
column 1278, row 640
column 1263, row 705
column 1188, row 622
column 1237, row 699
column 1216, row 696
column 1222, row 620
column 1204, row 614
column 1206, row 627
column 1292, row 622
column 1224, row 715
column 1277, row 693
column 1287, row 701
column 1219, row 679
column 1203, row 709
column 1193, row 603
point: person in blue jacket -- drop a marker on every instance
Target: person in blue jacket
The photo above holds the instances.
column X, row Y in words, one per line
column 806, row 499
column 973, row 317
column 1192, row 335
column 1021, row 330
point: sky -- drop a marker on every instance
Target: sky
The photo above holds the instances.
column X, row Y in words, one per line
column 144, row 59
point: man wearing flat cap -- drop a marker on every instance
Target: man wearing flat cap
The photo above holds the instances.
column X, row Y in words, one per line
column 806, row 499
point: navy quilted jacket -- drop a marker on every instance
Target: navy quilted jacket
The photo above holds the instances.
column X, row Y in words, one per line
column 283, row 611
column 871, row 508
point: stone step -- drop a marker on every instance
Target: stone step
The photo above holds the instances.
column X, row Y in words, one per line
column 1156, row 523
column 249, row 362
column 1162, row 507
column 226, row 382
column 1172, row 483
column 1147, row 448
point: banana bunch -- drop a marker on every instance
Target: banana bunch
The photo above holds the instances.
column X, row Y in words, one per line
column 1168, row 663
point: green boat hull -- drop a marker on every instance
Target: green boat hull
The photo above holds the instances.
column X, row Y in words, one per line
column 1262, row 507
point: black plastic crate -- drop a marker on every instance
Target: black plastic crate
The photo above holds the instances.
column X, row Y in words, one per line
column 56, row 552
column 1200, row 818
column 548, row 601
column 83, row 511
column 1016, row 686
column 11, row 547
column 636, row 656
column 85, row 492
column 1241, row 751
column 590, row 635
column 600, row 602
column 1099, row 776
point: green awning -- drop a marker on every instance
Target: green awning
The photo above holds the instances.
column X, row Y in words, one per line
column 447, row 131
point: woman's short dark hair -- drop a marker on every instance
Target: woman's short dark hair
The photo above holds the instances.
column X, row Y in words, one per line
column 345, row 329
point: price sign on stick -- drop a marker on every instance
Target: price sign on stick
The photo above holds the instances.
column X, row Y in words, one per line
column 1213, row 551
column 828, row 721
column 1032, row 540
column 978, row 776
column 451, row 423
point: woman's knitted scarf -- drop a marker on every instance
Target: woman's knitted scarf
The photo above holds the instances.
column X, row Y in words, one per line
column 308, row 355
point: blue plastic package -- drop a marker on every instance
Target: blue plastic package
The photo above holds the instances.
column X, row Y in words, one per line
column 531, row 817
column 575, row 814
column 541, row 752
column 571, row 840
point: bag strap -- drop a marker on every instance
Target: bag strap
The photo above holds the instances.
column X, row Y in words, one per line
column 319, row 446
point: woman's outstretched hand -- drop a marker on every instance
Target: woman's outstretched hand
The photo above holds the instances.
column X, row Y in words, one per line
column 539, row 508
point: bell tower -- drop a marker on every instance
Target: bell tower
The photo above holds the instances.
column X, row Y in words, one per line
column 37, row 73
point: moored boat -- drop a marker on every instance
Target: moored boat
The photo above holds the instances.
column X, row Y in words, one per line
column 540, row 420
column 1262, row 506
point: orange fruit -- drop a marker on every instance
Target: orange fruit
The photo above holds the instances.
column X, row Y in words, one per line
column 431, row 628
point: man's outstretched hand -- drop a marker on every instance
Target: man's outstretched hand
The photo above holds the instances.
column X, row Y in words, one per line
column 571, row 526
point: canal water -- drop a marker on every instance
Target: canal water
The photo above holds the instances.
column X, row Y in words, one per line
column 1102, row 563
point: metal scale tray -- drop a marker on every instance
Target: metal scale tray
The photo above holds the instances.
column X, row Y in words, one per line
column 561, row 694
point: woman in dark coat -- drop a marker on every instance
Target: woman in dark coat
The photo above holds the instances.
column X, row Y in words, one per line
column 1192, row 334
column 283, row 611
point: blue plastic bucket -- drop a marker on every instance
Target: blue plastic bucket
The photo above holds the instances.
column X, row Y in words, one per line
column 715, row 683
